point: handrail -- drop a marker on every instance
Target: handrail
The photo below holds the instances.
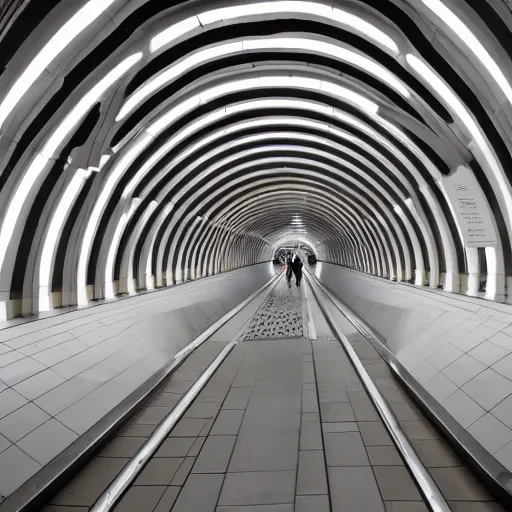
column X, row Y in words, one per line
column 424, row 481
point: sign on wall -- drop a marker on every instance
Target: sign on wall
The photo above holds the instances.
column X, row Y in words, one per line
column 470, row 207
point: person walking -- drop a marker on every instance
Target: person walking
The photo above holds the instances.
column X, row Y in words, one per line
column 297, row 269
column 289, row 269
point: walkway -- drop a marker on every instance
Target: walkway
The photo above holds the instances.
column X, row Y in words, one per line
column 284, row 425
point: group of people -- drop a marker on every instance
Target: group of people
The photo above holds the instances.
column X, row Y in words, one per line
column 293, row 267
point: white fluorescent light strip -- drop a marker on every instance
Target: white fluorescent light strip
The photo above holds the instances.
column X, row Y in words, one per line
column 84, row 105
column 173, row 32
column 50, row 242
column 460, row 29
column 62, row 38
column 117, row 171
column 289, row 43
column 109, row 267
column 267, row 82
column 342, row 17
column 40, row 161
column 452, row 102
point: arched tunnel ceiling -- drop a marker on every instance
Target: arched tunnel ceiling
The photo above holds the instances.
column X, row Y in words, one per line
column 142, row 145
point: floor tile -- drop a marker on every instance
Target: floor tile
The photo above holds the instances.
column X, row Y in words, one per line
column 490, row 433
column 447, row 355
column 384, row 456
column 395, row 484
column 312, row 504
column 354, row 489
column 374, row 434
column 406, row 506
column 440, row 387
column 464, row 369
column 140, row 498
column 187, row 427
column 39, row 384
column 153, row 415
column 47, row 441
column 122, row 447
column 345, row 449
column 189, row 499
column 347, row 426
column 22, row 421
column 175, row 447
column 267, row 452
column 20, row 370
column 259, row 488
column 435, row 453
column 202, row 410
column 215, row 455
column 311, row 436
column 184, row 471
column 237, row 398
column 504, row 367
column 168, row 499
column 311, row 477
column 260, row 508
column 136, row 430
column 159, row 471
column 10, row 400
column 82, row 415
column 336, row 412
column 488, row 389
column 4, row 443
column 227, row 423
column 467, row 506
column 488, row 353
column 465, row 410
column 15, row 468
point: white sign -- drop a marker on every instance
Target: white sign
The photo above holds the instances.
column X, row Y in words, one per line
column 470, row 207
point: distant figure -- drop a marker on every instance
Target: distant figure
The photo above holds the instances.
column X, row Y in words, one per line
column 297, row 269
column 289, row 269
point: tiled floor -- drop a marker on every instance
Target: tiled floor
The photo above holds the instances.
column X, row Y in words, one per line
column 60, row 375
column 284, row 425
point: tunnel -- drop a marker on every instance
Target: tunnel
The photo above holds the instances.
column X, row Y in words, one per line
column 164, row 166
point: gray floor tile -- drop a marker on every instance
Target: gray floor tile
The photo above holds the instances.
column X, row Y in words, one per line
column 354, row 489
column 182, row 473
column 159, row 471
column 188, row 427
column 140, row 498
column 311, row 416
column 259, row 488
column 311, row 436
column 10, row 401
column 395, row 484
column 406, row 412
column 347, row 426
column 122, row 447
column 312, row 504
column 374, row 434
column 227, row 423
column 15, row 468
column 309, row 401
column 237, row 398
column 435, row 453
column 85, row 488
column 47, row 441
column 215, row 455
column 345, row 449
column 168, row 499
column 22, row 421
column 384, row 456
column 406, row 506
column 268, row 452
column 135, row 430
column 334, row 396
column 196, row 447
column 202, row 410
column 458, row 484
column 257, row 508
column 336, row 412
column 190, row 499
column 363, row 407
column 152, row 415
column 311, row 478
column 175, row 447
column 166, row 400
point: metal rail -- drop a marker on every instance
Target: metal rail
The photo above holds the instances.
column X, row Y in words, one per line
column 433, row 496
